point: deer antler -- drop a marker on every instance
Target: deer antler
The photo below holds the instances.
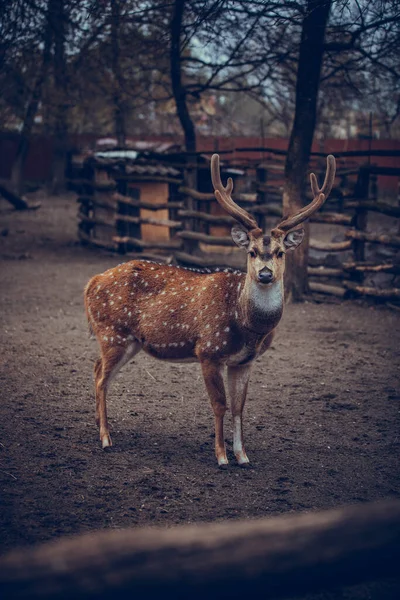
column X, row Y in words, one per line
column 320, row 195
column 223, row 196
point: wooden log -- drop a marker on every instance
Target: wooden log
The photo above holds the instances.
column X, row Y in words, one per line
column 270, row 558
column 372, row 268
column 203, row 216
column 332, row 218
column 18, row 202
column 93, row 221
column 168, row 244
column 96, row 201
column 323, row 288
column 206, row 261
column 149, row 221
column 147, row 205
column 325, row 272
column 330, row 246
column 133, row 177
column 383, row 294
column 209, row 197
column 206, row 239
column 158, row 258
column 374, row 238
column 85, row 237
column 381, row 207
column 266, row 209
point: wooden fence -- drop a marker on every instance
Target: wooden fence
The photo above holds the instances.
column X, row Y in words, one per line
column 269, row 558
column 187, row 225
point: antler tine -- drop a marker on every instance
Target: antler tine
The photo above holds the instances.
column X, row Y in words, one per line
column 223, row 196
column 320, row 195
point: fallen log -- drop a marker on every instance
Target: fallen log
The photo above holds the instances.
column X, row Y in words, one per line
column 18, row 202
column 269, row 558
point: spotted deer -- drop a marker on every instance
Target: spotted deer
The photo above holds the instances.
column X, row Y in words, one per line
column 217, row 318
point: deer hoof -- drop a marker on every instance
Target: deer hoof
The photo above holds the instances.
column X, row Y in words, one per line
column 245, row 465
column 106, row 441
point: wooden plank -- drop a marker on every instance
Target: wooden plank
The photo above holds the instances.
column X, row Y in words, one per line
column 206, row 239
column 284, row 556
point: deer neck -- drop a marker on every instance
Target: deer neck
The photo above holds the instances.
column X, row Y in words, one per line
column 261, row 305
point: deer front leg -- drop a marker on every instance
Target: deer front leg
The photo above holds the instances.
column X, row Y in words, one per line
column 216, row 391
column 106, row 368
column 238, row 380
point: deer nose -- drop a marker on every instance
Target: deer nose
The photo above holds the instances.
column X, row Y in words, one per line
column 265, row 275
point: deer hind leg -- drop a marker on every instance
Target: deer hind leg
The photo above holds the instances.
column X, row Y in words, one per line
column 238, row 380
column 216, row 391
column 106, row 368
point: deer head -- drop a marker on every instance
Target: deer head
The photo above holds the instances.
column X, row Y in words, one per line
column 266, row 253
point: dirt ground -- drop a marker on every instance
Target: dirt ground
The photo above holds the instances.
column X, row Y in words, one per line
column 322, row 416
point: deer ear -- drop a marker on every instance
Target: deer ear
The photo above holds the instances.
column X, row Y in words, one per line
column 293, row 239
column 240, row 236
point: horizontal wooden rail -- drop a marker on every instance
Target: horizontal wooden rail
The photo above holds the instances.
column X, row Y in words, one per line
column 133, row 177
column 204, row 261
column 206, row 239
column 203, row 216
column 381, row 207
column 147, row 205
column 325, row 272
column 85, row 237
column 209, row 197
column 93, row 221
column 330, row 246
column 269, row 558
column 168, row 245
column 148, row 221
column 324, row 288
column 374, row 238
column 96, row 202
column 382, row 293
column 371, row 268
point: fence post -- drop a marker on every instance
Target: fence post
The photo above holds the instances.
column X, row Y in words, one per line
column 361, row 217
column 190, row 181
column 261, row 178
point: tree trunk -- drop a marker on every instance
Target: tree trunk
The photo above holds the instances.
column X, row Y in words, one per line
column 60, row 80
column 31, row 110
column 308, row 78
column 178, row 88
column 119, row 111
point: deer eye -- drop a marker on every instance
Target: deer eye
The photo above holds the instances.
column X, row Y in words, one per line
column 280, row 254
column 253, row 253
